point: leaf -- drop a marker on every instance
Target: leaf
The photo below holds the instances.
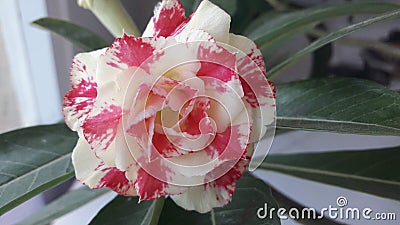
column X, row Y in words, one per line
column 229, row 6
column 247, row 11
column 79, row 36
column 321, row 58
column 344, row 105
column 125, row 210
column 291, row 23
column 251, row 194
column 63, row 205
column 371, row 171
column 332, row 37
column 33, row 160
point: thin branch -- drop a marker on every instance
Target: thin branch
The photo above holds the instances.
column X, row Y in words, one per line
column 388, row 51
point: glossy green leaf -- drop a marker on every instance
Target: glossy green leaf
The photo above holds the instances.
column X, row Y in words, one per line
column 33, row 160
column 79, row 36
column 250, row 195
column 333, row 37
column 246, row 12
column 371, row 171
column 125, row 210
column 63, row 205
column 290, row 23
column 191, row 5
column 343, row 105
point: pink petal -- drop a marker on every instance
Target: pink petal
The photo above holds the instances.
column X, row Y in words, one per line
column 169, row 15
column 151, row 187
column 217, row 193
column 216, row 62
column 92, row 172
column 259, row 92
column 117, row 181
column 129, row 51
column 79, row 101
column 100, row 130
column 211, row 19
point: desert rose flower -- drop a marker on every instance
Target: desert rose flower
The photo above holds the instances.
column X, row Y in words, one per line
column 173, row 113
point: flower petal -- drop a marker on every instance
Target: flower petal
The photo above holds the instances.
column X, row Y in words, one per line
column 210, row 18
column 168, row 15
column 259, row 93
column 92, row 172
column 79, row 101
column 130, row 51
column 217, row 193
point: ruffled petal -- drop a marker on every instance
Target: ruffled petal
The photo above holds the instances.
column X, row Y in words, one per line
column 130, row 51
column 168, row 16
column 216, row 193
column 259, row 93
column 92, row 172
column 79, row 101
column 211, row 19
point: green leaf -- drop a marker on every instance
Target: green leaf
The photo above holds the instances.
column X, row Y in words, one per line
column 229, row 6
column 125, row 210
column 332, row 37
column 321, row 58
column 371, row 171
column 191, row 5
column 246, row 12
column 290, row 23
column 344, row 105
column 63, row 205
column 79, row 36
column 251, row 194
column 33, row 160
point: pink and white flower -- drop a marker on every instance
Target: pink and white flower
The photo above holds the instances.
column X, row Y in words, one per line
column 174, row 112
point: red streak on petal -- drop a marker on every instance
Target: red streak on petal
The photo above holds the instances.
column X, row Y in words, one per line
column 227, row 145
column 79, row 101
column 216, row 62
column 149, row 187
column 133, row 52
column 101, row 129
column 116, row 181
column 167, row 20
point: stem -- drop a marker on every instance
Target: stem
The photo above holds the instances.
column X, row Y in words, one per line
column 288, row 203
column 157, row 209
column 112, row 15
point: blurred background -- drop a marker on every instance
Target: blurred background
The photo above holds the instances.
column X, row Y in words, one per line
column 34, row 76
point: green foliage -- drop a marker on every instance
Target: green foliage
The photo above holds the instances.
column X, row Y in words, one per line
column 79, row 36
column 64, row 204
column 33, row 160
column 371, row 171
column 339, row 105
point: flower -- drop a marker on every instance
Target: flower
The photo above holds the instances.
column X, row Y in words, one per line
column 175, row 112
